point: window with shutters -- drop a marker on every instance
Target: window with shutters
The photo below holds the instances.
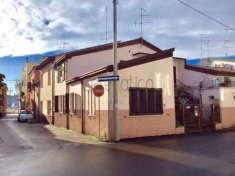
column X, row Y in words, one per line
column 41, row 80
column 61, row 73
column 145, row 101
column 61, row 104
column 66, row 103
column 48, row 107
column 41, row 107
column 74, row 104
column 49, row 77
column 91, row 103
column 56, row 103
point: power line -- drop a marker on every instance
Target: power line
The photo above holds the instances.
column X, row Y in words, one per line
column 206, row 15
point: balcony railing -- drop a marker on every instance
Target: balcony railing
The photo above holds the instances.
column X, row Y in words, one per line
column 216, row 84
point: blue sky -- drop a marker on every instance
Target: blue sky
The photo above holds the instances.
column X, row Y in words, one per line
column 38, row 26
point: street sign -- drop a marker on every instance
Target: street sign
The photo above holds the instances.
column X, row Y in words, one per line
column 98, row 90
column 108, row 78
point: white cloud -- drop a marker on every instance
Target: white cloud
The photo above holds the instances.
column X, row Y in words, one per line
column 33, row 26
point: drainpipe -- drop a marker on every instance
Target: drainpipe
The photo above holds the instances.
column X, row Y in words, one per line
column 39, row 98
column 82, row 106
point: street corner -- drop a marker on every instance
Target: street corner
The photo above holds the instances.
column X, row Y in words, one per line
column 72, row 136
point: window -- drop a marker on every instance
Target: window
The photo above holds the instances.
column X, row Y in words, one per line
column 67, row 103
column 61, row 104
column 56, row 103
column 41, row 107
column 41, row 80
column 1, row 100
column 91, row 103
column 175, row 76
column 49, row 77
column 145, row 101
column 61, row 73
column 74, row 104
column 48, row 107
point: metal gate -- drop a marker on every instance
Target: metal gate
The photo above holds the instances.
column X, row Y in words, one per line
column 198, row 117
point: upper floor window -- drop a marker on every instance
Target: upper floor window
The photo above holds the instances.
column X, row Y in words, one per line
column 49, row 77
column 41, row 80
column 61, row 73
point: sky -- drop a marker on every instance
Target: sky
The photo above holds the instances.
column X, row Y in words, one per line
column 38, row 26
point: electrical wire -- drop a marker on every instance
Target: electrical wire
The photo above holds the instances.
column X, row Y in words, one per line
column 206, row 15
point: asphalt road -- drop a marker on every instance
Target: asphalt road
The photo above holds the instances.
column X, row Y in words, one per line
column 31, row 150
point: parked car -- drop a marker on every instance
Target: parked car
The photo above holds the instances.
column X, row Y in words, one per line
column 25, row 116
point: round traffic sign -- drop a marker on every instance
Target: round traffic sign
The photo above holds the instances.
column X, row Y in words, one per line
column 98, row 90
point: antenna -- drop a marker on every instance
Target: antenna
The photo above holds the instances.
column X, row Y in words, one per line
column 106, row 23
column 227, row 41
column 204, row 38
column 209, row 46
column 142, row 22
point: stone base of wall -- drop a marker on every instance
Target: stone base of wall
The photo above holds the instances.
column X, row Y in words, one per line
column 46, row 119
column 148, row 125
column 75, row 123
column 60, row 120
column 228, row 117
column 97, row 125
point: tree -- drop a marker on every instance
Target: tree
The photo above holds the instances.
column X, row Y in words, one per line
column 2, row 77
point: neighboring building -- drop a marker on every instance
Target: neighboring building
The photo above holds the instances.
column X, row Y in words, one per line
column 45, row 90
column 3, row 96
column 33, row 91
column 146, row 98
column 153, row 85
column 70, row 65
column 207, row 85
column 24, row 102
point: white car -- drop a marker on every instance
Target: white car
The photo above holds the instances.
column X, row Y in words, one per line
column 25, row 116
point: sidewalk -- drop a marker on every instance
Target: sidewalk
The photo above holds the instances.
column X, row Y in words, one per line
column 72, row 136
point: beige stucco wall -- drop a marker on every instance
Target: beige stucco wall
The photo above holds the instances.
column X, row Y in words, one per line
column 46, row 90
column 85, row 63
column 60, row 88
column 98, row 124
column 160, row 75
column 226, row 98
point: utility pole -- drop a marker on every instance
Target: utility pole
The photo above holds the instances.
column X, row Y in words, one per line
column 115, row 72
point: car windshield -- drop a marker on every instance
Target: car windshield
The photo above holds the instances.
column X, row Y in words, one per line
column 25, row 112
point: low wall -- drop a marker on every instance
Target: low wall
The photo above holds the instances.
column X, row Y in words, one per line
column 150, row 125
column 60, row 120
column 75, row 123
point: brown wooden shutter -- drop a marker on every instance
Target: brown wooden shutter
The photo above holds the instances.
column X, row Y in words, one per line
column 133, row 100
column 67, row 103
column 159, row 101
column 56, row 104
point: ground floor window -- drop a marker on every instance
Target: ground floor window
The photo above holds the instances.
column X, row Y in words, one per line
column 145, row 101
column 74, row 103
column 49, row 107
column 1, row 100
column 41, row 107
column 91, row 101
